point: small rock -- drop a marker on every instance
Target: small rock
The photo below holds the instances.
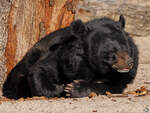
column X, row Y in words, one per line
column 94, row 110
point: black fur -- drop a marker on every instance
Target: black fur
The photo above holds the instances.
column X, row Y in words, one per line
column 82, row 52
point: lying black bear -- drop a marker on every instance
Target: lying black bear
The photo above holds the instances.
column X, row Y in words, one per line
column 96, row 56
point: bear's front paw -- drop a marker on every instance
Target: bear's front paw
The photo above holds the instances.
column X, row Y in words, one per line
column 76, row 89
column 71, row 88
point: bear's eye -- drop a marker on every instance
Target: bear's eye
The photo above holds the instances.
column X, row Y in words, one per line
column 113, row 57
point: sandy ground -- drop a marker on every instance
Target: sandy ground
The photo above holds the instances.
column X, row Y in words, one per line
column 100, row 104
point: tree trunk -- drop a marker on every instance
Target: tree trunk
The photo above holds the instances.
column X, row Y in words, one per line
column 30, row 20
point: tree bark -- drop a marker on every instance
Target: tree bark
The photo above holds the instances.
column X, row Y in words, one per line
column 4, row 10
column 30, row 20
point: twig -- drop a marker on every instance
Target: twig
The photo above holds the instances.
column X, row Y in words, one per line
column 137, row 93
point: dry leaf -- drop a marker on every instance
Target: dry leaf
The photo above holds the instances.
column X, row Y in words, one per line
column 147, row 82
column 109, row 94
column 21, row 99
column 139, row 92
column 93, row 94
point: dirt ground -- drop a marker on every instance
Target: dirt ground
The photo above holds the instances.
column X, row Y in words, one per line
column 99, row 104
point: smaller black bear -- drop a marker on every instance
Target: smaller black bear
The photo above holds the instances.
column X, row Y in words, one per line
column 96, row 56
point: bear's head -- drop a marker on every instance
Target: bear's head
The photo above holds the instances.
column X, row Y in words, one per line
column 106, row 45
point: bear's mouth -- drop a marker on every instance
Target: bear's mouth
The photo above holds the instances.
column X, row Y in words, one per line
column 121, row 69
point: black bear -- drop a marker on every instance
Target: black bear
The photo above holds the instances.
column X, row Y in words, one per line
column 96, row 56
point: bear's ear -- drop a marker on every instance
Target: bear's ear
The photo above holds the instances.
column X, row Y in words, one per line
column 122, row 21
column 78, row 28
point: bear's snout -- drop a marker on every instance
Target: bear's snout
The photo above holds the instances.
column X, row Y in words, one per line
column 124, row 62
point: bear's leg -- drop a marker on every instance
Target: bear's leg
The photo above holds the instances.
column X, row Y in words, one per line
column 81, row 88
column 16, row 87
column 44, row 81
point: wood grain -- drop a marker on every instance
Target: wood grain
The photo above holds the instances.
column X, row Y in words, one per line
column 25, row 20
